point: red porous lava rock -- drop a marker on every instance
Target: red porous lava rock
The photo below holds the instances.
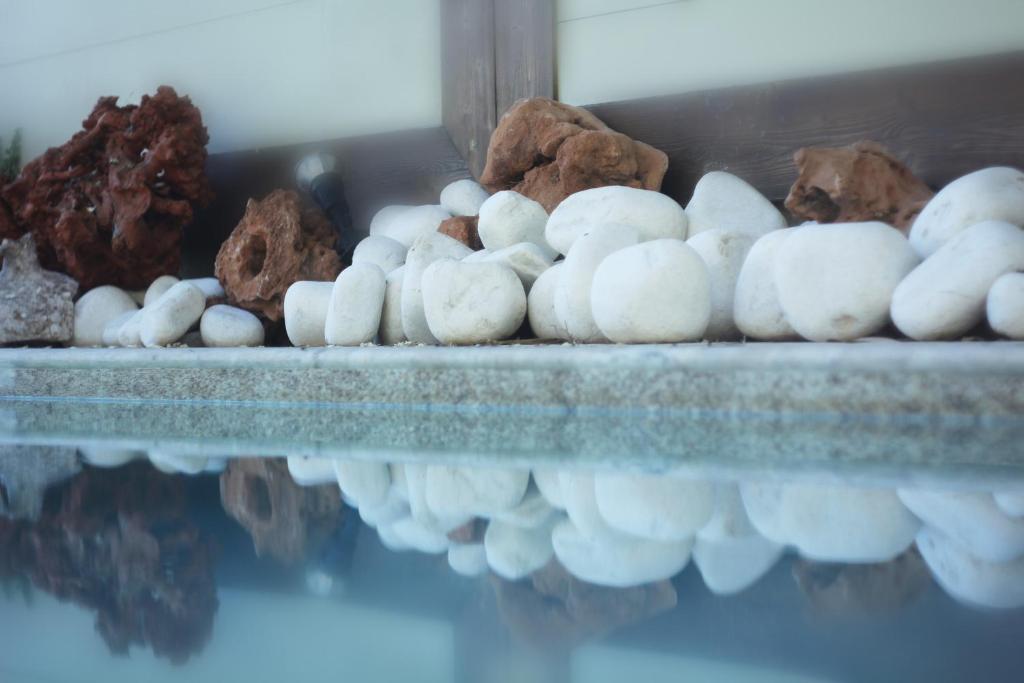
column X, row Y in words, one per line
column 462, row 228
column 121, row 543
column 862, row 182
column 547, row 150
column 109, row 206
column 279, row 240
column 284, row 519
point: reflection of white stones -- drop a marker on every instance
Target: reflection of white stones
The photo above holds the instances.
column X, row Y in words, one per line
column 833, row 523
column 972, row 520
column 969, row 578
column 617, row 560
column 661, row 508
column 628, row 529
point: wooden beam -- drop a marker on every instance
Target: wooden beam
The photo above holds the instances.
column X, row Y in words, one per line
column 943, row 120
column 524, row 50
column 467, row 78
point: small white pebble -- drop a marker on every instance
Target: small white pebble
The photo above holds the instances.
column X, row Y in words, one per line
column 305, row 312
column 508, row 218
column 383, row 252
column 95, row 309
column 463, row 197
column 391, row 330
column 167, row 319
column 1005, row 306
column 157, row 288
column 223, row 325
column 354, row 310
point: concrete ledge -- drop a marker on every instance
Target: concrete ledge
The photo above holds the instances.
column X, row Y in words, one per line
column 876, row 406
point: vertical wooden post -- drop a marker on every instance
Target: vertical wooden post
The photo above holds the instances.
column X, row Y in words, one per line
column 493, row 52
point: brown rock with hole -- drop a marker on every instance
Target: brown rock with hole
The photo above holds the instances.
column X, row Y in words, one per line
column 284, row 519
column 861, row 182
column 462, row 228
column 279, row 240
column 109, row 206
column 547, row 150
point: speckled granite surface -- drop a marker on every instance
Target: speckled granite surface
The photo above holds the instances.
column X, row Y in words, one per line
column 901, row 409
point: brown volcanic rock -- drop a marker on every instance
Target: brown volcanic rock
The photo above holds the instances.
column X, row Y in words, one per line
column 120, row 543
column 463, row 229
column 862, row 182
column 547, row 150
column 283, row 518
column 279, row 241
column 109, row 206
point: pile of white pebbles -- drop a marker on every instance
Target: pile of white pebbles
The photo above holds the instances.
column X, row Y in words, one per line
column 170, row 310
column 639, row 268
column 622, row 529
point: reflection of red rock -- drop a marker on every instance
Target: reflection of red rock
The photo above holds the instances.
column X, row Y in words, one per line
column 851, row 589
column 119, row 542
column 547, row 150
column 862, row 182
column 284, row 519
column 108, row 206
column 555, row 608
column 279, row 240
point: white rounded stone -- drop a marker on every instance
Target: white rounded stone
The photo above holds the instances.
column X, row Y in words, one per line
column 157, row 288
column 408, row 224
column 1004, row 306
column 658, row 507
column 416, row 483
column 722, row 201
column 355, row 306
column 167, row 319
column 549, row 483
column 723, row 252
column 756, row 309
column 526, row 260
column 427, row 249
column 112, row 330
column 129, row 335
column 472, row 303
column 414, row 534
column 971, row 519
column 653, row 292
column 393, row 508
column 729, row 519
column 573, row 291
column 617, row 560
column 391, row 330
column 467, row 559
column 383, row 252
column 944, row 297
column 382, row 218
column 1010, row 502
column 365, row 482
column 305, row 312
column 833, row 523
column 968, row 578
column 389, row 539
column 95, row 309
column 209, row 286
column 474, row 491
column 540, row 306
column 653, row 215
column 508, row 218
column 223, row 325
column 306, row 471
column 835, row 282
column 463, row 197
column 995, row 193
column 514, row 552
column 732, row 565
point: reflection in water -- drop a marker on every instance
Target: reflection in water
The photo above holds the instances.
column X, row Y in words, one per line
column 285, row 520
column 120, row 542
column 562, row 558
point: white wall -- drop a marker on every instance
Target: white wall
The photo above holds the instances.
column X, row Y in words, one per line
column 263, row 72
column 621, row 49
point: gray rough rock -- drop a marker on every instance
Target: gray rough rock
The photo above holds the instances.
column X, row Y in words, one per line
column 35, row 304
